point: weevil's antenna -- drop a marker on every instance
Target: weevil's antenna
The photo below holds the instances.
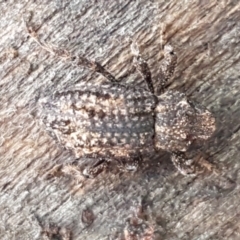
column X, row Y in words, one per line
column 75, row 60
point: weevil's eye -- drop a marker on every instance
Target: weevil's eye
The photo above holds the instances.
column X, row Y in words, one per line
column 172, row 53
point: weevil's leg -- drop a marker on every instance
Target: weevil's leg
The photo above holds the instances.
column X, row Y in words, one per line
column 167, row 67
column 185, row 166
column 78, row 61
column 93, row 65
column 142, row 66
column 85, row 167
column 91, row 171
column 94, row 166
column 191, row 166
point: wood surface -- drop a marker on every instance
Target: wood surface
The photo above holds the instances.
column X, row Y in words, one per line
column 206, row 37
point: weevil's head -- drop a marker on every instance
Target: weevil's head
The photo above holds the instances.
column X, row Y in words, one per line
column 179, row 122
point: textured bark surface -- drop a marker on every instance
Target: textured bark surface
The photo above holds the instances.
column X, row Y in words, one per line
column 206, row 36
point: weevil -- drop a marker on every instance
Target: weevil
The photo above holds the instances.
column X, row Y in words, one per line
column 112, row 121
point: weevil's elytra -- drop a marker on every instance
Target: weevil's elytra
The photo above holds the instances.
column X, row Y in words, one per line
column 116, row 122
column 108, row 119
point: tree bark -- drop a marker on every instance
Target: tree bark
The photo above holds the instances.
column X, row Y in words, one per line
column 206, row 37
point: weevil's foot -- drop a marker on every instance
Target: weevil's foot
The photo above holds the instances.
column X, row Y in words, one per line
column 129, row 165
column 132, row 167
column 191, row 166
column 91, row 171
column 184, row 166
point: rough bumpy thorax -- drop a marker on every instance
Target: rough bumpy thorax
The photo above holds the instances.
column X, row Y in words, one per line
column 179, row 122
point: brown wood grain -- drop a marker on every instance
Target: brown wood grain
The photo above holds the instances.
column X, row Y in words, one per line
column 206, row 36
